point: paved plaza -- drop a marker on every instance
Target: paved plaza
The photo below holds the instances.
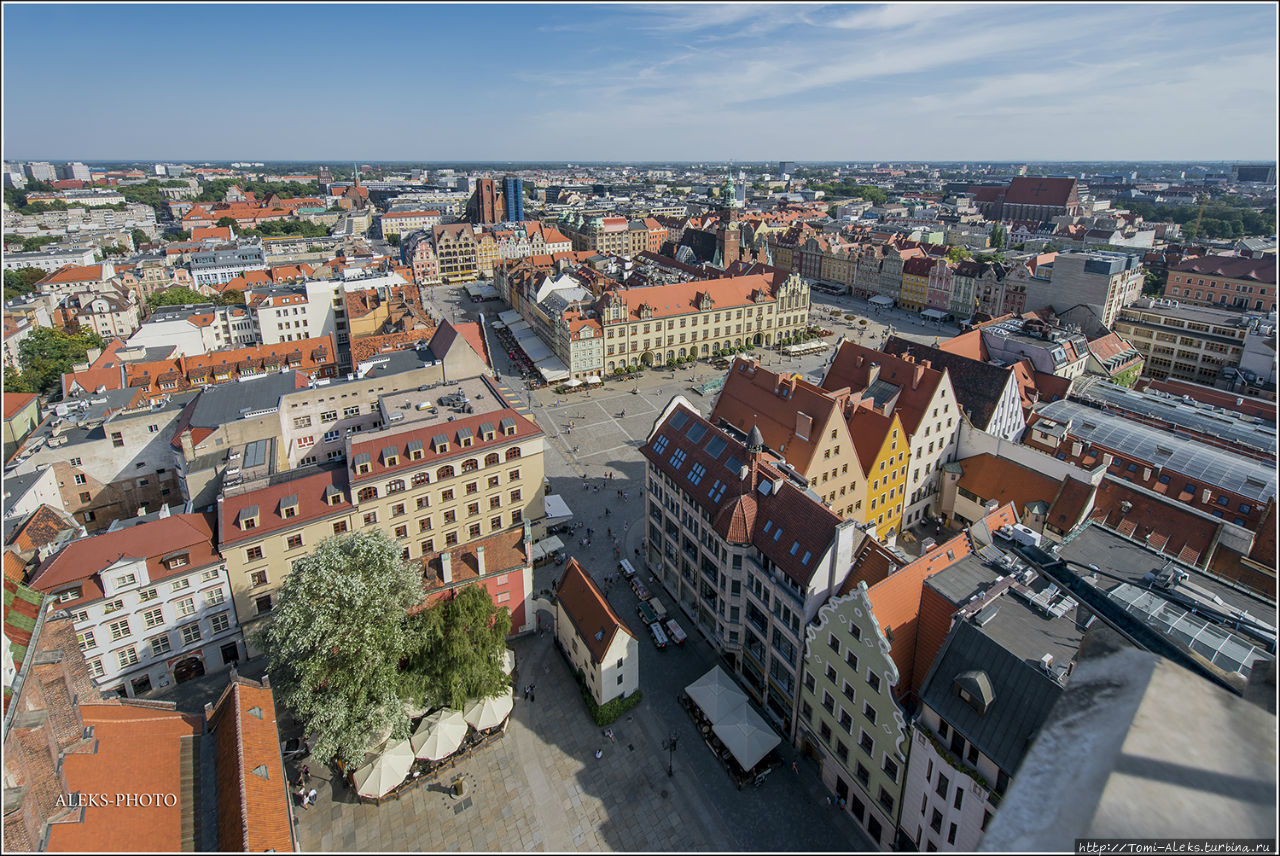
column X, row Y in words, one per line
column 541, row 788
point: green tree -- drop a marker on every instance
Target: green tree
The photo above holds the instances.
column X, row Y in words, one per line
column 139, row 237
column 21, row 281
column 14, row 381
column 47, row 353
column 226, row 221
column 957, row 254
column 179, row 295
column 180, row 235
column 997, row 236
column 231, row 297
column 456, row 650
column 336, row 639
column 394, row 239
column 113, row 250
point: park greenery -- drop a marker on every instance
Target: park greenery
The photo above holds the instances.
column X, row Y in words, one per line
column 31, row 243
column 21, row 281
column 181, row 295
column 48, row 352
column 344, row 654
column 849, row 189
column 1225, row 217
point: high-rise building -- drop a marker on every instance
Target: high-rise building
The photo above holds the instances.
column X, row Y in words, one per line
column 786, row 168
column 513, row 192
column 486, row 204
column 76, row 171
column 41, row 171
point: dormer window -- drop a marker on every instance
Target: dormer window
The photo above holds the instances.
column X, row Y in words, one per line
column 974, row 688
column 248, row 518
column 440, row 444
column 390, row 456
column 487, row 432
column 415, row 450
column 508, row 426
column 332, row 495
column 465, row 437
column 177, row 560
column 289, row 506
column 361, row 463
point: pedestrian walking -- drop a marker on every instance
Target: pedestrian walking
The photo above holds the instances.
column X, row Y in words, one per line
column 306, row 774
column 599, row 754
column 312, row 796
column 526, row 692
column 794, row 767
column 531, row 693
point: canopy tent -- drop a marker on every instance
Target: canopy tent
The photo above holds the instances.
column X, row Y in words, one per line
column 716, row 694
column 508, row 661
column 509, row 317
column 546, row 547
column 592, row 379
column 934, row 314
column 881, row 300
column 486, row 713
column 534, row 348
column 746, row 735
column 516, row 326
column 810, row 347
column 497, row 325
column 556, row 507
column 387, row 770
column 552, row 368
column 439, row 735
column 573, row 382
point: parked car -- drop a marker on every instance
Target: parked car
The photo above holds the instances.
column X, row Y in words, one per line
column 677, row 632
column 659, row 637
column 647, row 614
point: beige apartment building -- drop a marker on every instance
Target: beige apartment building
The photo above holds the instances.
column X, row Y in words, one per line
column 456, row 250
column 1191, row 343
column 431, row 483
column 653, row 325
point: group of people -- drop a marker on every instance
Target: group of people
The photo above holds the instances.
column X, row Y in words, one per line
column 306, row 797
column 528, row 692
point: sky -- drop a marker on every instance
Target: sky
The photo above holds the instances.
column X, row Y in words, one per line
column 645, row 82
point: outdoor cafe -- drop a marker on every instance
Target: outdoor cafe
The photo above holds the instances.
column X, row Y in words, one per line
column 740, row 739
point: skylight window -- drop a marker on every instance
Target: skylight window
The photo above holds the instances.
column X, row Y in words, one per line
column 660, row 444
column 696, row 472
column 768, row 526
column 716, row 445
column 717, row 490
column 696, row 431
column 777, row 533
column 808, row 554
column 677, row 458
column 795, row 547
column 678, row 419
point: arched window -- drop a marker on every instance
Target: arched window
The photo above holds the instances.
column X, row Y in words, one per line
column 470, row 465
column 513, row 453
column 419, row 479
column 366, row 494
column 445, row 472
column 395, row 486
column 491, row 459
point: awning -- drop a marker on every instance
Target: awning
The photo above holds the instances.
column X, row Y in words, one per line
column 517, row 325
column 716, row 694
column 552, row 368
column 556, row 507
column 881, row 300
column 509, row 317
column 546, row 547
column 573, row 382
column 746, row 735
column 935, row 314
column 497, row 325
column 592, row 379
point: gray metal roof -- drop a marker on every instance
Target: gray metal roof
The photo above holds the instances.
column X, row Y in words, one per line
column 882, row 391
column 390, row 452
column 1223, row 469
column 1023, row 695
column 1228, row 425
column 255, row 454
column 506, row 422
column 486, row 428
column 288, row 501
column 227, row 402
column 361, row 458
column 961, row 581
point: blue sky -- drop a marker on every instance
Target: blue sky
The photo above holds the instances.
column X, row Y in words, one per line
column 677, row 81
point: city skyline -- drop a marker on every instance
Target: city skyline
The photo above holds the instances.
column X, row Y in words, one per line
column 838, row 82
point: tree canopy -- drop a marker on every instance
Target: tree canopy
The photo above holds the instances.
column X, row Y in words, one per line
column 21, row 281
column 276, row 228
column 455, row 650
column 47, row 353
column 139, row 237
column 337, row 637
column 957, row 254
column 179, row 295
column 849, row 188
column 1227, row 217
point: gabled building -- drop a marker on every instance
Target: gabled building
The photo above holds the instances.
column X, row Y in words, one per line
column 598, row 644
column 744, row 549
column 150, row 603
column 987, row 394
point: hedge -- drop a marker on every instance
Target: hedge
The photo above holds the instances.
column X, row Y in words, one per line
column 609, row 712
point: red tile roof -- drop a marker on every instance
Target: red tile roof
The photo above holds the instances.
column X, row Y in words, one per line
column 1166, row 525
column 989, row 477
column 309, row 487
column 42, row 528
column 854, row 365
column 773, row 403
column 81, row 561
column 1230, row 267
column 1034, row 190
column 593, row 618
column 139, row 750
column 682, row 298
column 14, row 402
column 253, row 794
column 73, row 274
column 203, row 233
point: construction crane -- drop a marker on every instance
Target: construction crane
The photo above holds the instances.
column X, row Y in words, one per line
column 1204, row 199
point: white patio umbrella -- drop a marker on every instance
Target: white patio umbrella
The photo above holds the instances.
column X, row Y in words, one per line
column 508, row 661
column 489, row 712
column 572, row 382
column 439, row 735
column 386, row 771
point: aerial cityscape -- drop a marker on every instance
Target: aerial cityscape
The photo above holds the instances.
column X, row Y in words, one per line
column 437, row 427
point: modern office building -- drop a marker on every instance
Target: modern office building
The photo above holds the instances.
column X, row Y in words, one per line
column 513, row 196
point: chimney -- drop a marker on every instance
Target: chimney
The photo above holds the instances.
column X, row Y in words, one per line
column 480, row 560
column 446, row 569
column 916, row 378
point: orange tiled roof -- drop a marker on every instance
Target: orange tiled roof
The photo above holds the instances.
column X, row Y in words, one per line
column 681, row 298
column 989, row 477
column 72, row 274
column 593, row 618
column 42, row 528
column 773, row 403
column 253, row 795
column 14, row 402
column 139, row 750
column 853, row 365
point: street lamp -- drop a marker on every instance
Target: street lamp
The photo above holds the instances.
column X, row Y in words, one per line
column 670, row 746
